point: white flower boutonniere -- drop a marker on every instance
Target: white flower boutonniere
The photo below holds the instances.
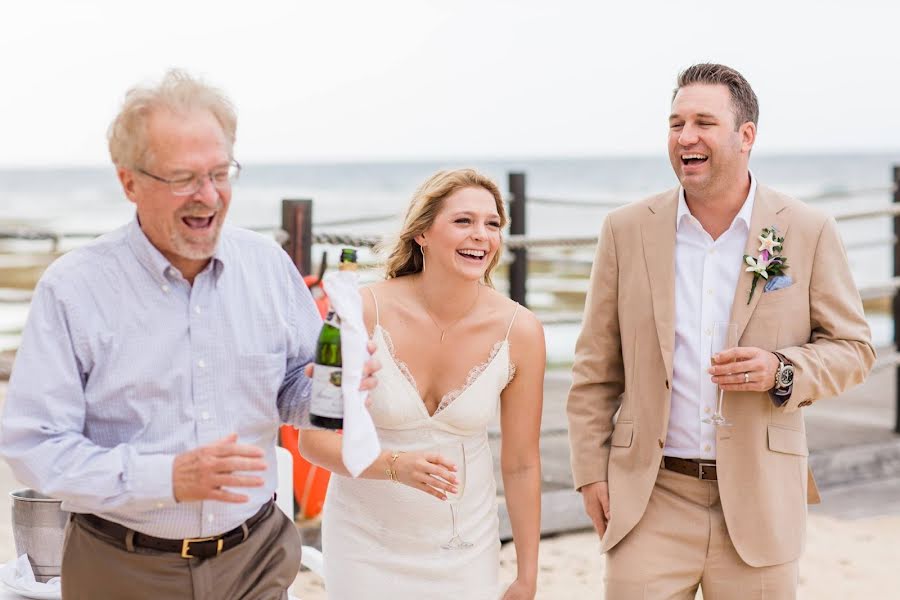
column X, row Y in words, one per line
column 770, row 262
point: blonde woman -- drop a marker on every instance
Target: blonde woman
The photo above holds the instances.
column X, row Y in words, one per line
column 453, row 351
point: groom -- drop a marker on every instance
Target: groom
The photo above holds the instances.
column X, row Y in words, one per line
column 680, row 502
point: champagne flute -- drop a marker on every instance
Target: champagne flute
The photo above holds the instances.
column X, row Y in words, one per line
column 456, row 453
column 724, row 337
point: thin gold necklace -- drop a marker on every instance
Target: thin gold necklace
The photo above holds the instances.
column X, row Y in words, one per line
column 444, row 330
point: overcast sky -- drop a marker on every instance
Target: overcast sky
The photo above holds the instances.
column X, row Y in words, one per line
column 415, row 79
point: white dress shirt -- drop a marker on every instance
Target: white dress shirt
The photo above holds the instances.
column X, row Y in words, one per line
column 706, row 276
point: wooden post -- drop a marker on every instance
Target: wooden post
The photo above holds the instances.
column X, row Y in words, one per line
column 896, row 295
column 296, row 221
column 518, row 268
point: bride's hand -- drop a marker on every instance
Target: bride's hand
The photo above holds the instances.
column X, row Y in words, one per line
column 518, row 590
column 426, row 471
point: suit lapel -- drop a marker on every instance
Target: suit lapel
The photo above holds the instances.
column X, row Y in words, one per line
column 767, row 210
column 658, row 237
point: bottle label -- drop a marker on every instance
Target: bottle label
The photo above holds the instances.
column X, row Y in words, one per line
column 327, row 400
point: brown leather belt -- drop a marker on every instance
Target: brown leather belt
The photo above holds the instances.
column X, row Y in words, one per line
column 206, row 547
column 694, row 467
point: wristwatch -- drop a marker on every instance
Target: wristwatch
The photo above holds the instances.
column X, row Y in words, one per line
column 784, row 376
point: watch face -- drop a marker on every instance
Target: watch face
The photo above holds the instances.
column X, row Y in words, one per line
column 786, row 376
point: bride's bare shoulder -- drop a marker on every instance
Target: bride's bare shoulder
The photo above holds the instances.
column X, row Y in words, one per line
column 526, row 327
column 381, row 296
column 388, row 289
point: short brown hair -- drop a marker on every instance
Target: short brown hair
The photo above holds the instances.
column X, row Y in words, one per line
column 179, row 93
column 404, row 254
column 743, row 99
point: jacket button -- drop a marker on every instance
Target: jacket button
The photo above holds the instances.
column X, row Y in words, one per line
column 661, row 443
column 805, row 403
column 667, row 384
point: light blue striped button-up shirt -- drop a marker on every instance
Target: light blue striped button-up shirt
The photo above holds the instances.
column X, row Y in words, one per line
column 124, row 365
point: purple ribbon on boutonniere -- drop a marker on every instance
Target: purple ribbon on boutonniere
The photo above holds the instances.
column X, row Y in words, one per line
column 770, row 262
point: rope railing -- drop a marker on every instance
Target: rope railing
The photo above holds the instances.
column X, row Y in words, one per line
column 885, row 358
column 850, row 193
column 849, row 215
column 14, row 296
column 346, row 239
column 514, row 242
column 576, row 203
column 873, row 243
column 358, row 220
column 872, row 291
column 28, row 233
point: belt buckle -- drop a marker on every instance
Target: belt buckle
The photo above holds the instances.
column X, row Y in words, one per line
column 700, row 469
column 185, row 545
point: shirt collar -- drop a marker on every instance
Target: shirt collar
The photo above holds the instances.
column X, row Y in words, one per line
column 744, row 214
column 157, row 264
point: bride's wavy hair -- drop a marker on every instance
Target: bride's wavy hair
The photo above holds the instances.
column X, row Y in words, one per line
column 404, row 256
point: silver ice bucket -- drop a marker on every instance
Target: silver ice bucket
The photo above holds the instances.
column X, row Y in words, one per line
column 39, row 525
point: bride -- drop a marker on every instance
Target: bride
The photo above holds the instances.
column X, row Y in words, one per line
column 422, row 521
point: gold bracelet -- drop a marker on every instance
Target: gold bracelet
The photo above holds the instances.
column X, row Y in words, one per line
column 391, row 473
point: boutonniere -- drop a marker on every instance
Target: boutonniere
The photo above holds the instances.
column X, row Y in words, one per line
column 770, row 262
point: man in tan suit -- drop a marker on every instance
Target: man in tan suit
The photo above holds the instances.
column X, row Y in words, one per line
column 679, row 501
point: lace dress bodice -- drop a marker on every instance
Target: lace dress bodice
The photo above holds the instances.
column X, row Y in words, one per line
column 452, row 395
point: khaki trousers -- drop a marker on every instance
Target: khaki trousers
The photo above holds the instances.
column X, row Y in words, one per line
column 263, row 567
column 681, row 543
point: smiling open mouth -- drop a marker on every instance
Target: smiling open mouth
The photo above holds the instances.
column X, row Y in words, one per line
column 198, row 222
column 693, row 159
column 475, row 255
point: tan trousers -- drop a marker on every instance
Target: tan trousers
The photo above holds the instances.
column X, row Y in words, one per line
column 263, row 567
column 681, row 543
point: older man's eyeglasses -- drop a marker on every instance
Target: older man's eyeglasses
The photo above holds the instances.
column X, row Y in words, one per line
column 190, row 183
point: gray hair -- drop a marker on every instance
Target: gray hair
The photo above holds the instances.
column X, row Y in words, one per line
column 178, row 93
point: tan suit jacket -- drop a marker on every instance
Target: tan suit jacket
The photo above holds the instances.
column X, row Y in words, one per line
column 623, row 362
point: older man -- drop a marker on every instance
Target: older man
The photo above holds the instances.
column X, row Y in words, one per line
column 154, row 370
column 680, row 498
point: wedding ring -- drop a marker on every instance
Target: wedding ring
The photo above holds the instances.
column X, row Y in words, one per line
column 746, row 377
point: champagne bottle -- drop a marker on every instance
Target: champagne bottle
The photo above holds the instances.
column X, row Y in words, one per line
column 326, row 408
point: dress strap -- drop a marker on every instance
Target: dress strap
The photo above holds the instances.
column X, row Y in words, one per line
column 513, row 320
column 375, row 300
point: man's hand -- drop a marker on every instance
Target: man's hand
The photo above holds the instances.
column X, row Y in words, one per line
column 596, row 504
column 372, row 366
column 202, row 474
column 729, row 368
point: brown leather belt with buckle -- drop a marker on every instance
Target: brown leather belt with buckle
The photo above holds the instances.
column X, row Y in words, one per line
column 206, row 547
column 693, row 467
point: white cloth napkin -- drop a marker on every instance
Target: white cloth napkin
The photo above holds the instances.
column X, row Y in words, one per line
column 360, row 444
column 19, row 576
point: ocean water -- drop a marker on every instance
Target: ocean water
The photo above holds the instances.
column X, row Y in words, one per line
column 88, row 200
